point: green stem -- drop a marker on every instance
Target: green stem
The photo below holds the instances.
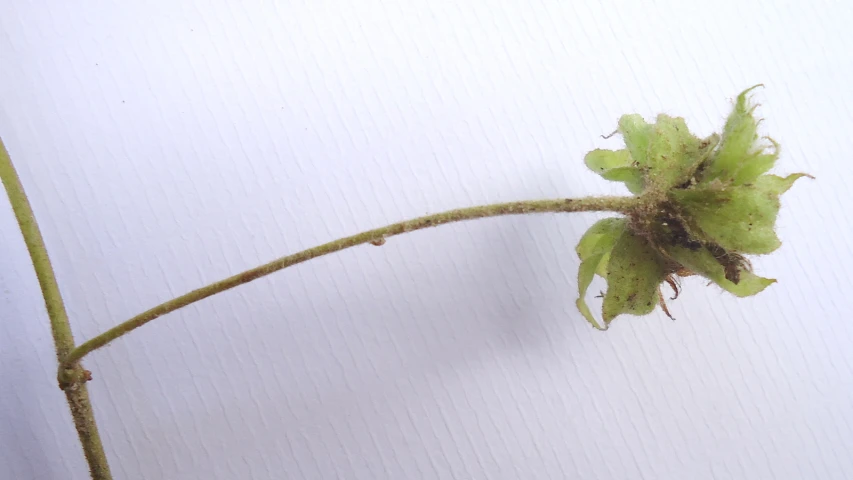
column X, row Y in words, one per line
column 376, row 236
column 75, row 391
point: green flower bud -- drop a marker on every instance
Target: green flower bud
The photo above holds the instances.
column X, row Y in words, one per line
column 703, row 203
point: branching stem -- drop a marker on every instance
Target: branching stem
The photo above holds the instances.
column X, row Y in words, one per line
column 376, row 236
column 75, row 391
column 71, row 375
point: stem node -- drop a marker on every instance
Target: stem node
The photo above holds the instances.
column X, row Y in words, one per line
column 72, row 377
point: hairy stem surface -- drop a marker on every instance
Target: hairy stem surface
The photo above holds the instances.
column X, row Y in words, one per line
column 376, row 236
column 75, row 392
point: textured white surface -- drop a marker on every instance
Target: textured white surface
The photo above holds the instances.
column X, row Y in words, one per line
column 168, row 144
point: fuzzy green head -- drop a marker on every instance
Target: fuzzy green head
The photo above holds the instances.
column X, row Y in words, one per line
column 704, row 204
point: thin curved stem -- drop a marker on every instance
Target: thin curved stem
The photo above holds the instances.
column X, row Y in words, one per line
column 376, row 236
column 76, row 394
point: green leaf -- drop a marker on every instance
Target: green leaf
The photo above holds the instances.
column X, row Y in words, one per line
column 593, row 248
column 740, row 158
column 634, row 274
column 637, row 134
column 702, row 262
column 740, row 219
column 616, row 166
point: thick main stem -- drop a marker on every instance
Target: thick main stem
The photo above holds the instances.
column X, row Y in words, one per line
column 376, row 236
column 75, row 393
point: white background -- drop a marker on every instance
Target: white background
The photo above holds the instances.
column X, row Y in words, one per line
column 166, row 145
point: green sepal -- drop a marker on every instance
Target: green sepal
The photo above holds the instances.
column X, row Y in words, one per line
column 673, row 153
column 741, row 158
column 634, row 273
column 616, row 165
column 739, row 219
column 637, row 135
column 594, row 249
column 702, row 262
